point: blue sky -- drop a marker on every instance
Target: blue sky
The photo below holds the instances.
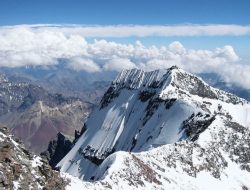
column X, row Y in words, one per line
column 124, row 12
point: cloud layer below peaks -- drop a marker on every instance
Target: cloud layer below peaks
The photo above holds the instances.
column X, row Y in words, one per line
column 46, row 45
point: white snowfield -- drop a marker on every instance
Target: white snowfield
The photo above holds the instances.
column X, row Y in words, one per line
column 165, row 129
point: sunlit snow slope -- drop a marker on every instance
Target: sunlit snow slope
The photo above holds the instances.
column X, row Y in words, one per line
column 151, row 111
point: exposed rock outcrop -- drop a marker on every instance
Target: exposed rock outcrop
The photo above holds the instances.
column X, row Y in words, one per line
column 21, row 170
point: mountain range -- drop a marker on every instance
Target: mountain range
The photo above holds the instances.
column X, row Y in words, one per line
column 36, row 116
column 164, row 129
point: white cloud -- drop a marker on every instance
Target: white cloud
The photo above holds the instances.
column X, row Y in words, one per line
column 144, row 30
column 228, row 53
column 237, row 74
column 83, row 64
column 119, row 64
column 177, row 47
column 20, row 46
column 23, row 46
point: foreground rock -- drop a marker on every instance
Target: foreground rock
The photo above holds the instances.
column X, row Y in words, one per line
column 20, row 169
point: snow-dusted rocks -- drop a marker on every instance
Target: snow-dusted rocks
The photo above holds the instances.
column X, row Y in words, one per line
column 20, row 169
column 163, row 129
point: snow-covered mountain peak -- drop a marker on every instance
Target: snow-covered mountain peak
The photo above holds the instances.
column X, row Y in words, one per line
column 142, row 111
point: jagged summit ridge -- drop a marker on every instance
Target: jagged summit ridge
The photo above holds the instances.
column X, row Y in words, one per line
column 165, row 84
column 137, row 78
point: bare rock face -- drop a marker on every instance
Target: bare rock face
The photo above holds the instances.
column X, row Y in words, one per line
column 60, row 146
column 20, row 169
column 57, row 149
